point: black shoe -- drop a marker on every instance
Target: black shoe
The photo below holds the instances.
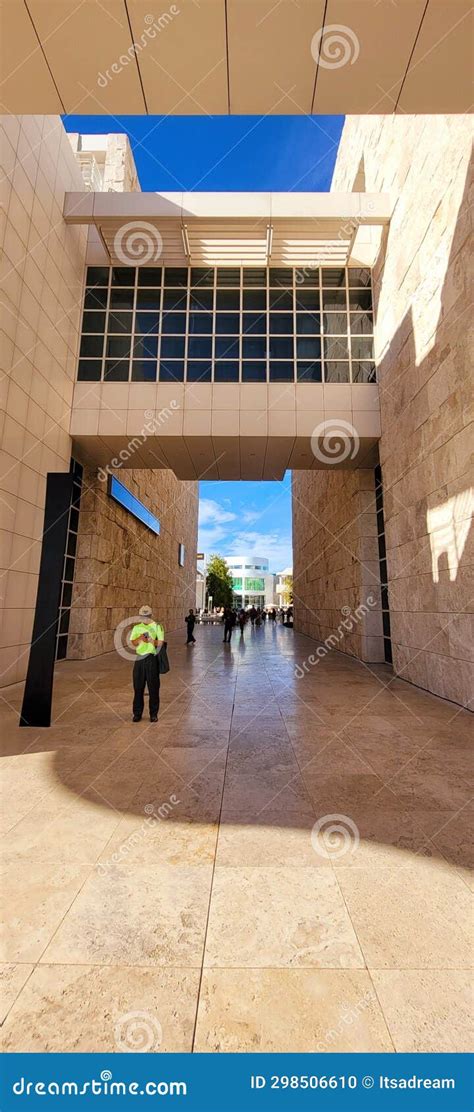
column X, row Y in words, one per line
column 137, row 718
column 153, row 718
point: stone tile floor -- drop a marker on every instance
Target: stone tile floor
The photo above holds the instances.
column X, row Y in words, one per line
column 278, row 864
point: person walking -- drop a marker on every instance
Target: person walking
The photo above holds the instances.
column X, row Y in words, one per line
column 190, row 620
column 229, row 623
column 147, row 637
column 242, row 620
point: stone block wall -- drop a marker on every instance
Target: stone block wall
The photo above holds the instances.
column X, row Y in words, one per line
column 121, row 565
column 42, row 271
column 422, row 336
column 335, row 561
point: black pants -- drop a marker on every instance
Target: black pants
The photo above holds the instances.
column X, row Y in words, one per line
column 227, row 631
column 191, row 636
column 145, row 672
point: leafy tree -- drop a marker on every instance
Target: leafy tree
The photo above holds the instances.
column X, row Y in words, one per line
column 288, row 590
column 219, row 582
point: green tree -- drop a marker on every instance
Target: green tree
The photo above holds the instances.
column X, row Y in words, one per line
column 219, row 582
column 288, row 590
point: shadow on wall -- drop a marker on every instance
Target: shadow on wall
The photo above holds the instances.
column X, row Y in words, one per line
column 428, row 495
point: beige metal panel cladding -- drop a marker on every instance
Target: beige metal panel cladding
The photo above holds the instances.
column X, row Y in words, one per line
column 86, row 46
column 439, row 77
column 184, row 67
column 271, row 68
column 364, row 54
column 26, row 80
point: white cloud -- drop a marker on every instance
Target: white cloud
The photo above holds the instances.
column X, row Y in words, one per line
column 211, row 512
column 275, row 546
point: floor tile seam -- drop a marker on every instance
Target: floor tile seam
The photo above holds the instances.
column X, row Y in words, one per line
column 180, row 968
column 211, row 886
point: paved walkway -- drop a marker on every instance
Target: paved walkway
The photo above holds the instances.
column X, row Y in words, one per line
column 165, row 886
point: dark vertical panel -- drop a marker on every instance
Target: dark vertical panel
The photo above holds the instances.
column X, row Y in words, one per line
column 387, row 636
column 36, row 709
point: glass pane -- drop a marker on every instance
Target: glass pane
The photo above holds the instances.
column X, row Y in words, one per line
column 227, row 323
column 97, row 276
column 202, row 276
column 118, row 347
column 149, row 299
column 227, row 347
column 254, row 372
column 282, row 372
column 95, row 299
column 308, row 323
column 121, row 299
column 359, row 276
column 149, row 276
column 198, row 372
column 66, row 596
column 176, row 276
column 199, row 347
column 146, row 348
column 336, row 372
column 253, row 348
column 116, row 371
column 361, row 323
column 228, row 276
column 146, row 323
column 226, row 372
column 333, row 276
column 362, row 348
column 281, row 323
column 255, row 299
column 363, row 372
column 335, row 323
column 254, row 323
column 281, row 299
column 280, row 276
column 173, row 323
column 334, row 299
column 309, row 349
column 143, row 371
column 171, row 372
column 200, row 322
column 309, row 372
column 307, row 299
column 92, row 345
column 307, row 277
column 255, row 276
column 89, row 370
column 336, row 347
column 360, row 299
column 120, row 322
column 281, row 349
column 93, row 322
column 123, row 276
column 228, row 299
column 201, row 299
column 172, row 347
column 174, row 299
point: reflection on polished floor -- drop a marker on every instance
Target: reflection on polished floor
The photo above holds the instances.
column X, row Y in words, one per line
column 278, row 864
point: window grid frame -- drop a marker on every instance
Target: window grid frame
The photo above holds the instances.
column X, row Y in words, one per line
column 295, row 313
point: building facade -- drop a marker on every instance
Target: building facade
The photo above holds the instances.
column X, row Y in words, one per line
column 253, row 583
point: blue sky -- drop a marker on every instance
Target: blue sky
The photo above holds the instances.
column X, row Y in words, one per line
column 275, row 153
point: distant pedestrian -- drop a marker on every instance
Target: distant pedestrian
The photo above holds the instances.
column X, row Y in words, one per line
column 229, row 623
column 253, row 614
column 147, row 637
column 190, row 620
column 242, row 620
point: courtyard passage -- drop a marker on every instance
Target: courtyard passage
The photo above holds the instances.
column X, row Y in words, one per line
column 279, row 863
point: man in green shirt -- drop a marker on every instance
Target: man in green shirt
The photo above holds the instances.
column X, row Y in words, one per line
column 147, row 637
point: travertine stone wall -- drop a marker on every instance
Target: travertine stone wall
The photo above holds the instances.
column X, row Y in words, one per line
column 423, row 314
column 121, row 565
column 42, row 269
column 335, row 561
